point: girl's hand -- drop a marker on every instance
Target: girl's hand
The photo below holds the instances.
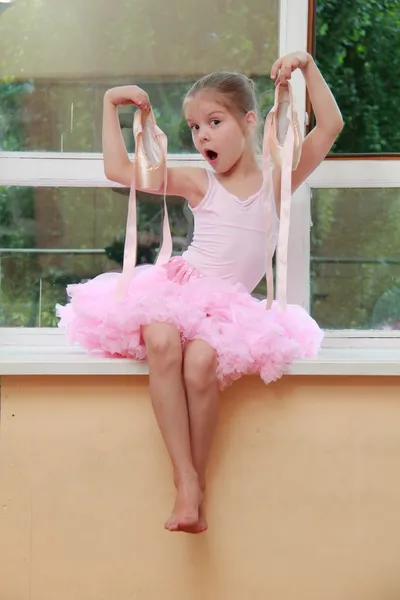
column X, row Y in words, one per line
column 283, row 68
column 128, row 94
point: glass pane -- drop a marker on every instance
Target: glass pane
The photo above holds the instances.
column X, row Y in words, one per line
column 358, row 51
column 57, row 59
column 52, row 237
column 355, row 258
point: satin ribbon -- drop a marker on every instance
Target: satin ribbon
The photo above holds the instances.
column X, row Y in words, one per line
column 286, row 154
column 147, row 176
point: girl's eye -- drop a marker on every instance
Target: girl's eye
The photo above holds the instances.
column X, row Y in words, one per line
column 215, row 122
column 194, row 127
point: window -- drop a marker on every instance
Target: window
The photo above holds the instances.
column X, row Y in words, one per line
column 58, row 59
column 60, row 219
column 56, row 63
column 346, row 271
column 355, row 258
column 357, row 48
column 52, row 237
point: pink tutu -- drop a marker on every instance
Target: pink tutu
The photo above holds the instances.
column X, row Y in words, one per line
column 247, row 338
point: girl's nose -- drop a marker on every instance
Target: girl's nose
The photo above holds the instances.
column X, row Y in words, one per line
column 204, row 135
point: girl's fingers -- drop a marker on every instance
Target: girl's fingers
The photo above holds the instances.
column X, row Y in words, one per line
column 142, row 104
column 285, row 70
column 275, row 68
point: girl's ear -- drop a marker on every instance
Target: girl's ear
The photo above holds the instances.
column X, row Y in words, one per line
column 251, row 119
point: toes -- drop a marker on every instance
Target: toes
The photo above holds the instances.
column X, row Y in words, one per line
column 192, row 526
column 171, row 525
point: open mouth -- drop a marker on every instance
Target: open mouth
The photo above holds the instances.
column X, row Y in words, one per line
column 211, row 155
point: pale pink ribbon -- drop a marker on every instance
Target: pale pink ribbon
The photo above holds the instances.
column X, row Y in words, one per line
column 130, row 250
column 284, row 222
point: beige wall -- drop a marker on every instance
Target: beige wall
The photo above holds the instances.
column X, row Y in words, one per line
column 303, row 502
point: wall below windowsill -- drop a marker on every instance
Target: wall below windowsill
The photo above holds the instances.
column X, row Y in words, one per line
column 72, row 360
column 302, row 492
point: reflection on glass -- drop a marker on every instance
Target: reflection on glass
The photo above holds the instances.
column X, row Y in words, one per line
column 52, row 237
column 355, row 258
column 57, row 59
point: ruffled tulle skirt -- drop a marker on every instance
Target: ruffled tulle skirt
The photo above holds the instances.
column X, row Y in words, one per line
column 247, row 338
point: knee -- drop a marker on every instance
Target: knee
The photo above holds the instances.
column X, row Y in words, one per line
column 200, row 367
column 163, row 345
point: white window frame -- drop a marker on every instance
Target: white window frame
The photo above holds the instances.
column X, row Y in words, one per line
column 41, row 169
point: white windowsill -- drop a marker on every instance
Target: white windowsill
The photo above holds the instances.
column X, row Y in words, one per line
column 45, row 351
column 70, row 360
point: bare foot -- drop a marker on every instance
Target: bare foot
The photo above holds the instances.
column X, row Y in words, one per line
column 186, row 510
column 201, row 524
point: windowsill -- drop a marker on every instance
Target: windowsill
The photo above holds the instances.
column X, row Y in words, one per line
column 71, row 360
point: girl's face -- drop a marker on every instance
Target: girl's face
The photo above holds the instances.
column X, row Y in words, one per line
column 217, row 134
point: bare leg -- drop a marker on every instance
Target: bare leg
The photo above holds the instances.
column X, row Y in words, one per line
column 200, row 363
column 167, row 391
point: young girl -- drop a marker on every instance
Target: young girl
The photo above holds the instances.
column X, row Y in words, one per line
column 194, row 319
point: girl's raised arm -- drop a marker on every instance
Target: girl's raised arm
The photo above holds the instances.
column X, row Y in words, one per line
column 187, row 182
column 329, row 122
